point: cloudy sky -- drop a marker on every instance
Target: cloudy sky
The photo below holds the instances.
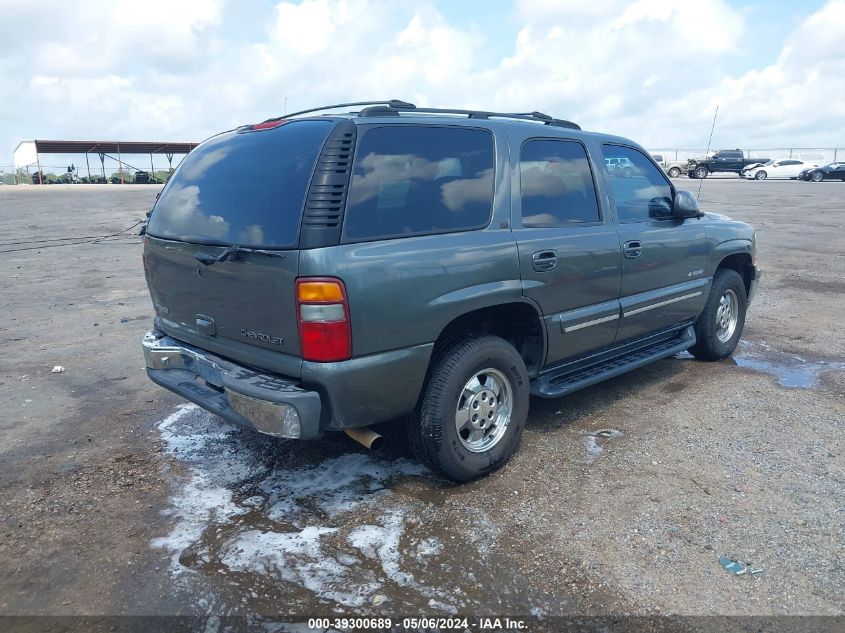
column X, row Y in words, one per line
column 653, row 70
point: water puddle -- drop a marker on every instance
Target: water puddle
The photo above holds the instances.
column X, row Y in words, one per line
column 594, row 450
column 350, row 531
column 790, row 369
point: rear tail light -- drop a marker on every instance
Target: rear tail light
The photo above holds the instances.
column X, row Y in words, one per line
column 322, row 314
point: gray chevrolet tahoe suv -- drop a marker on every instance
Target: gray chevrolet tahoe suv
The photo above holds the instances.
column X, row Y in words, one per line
column 328, row 272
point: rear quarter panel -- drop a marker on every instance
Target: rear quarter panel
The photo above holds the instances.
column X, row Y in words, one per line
column 404, row 291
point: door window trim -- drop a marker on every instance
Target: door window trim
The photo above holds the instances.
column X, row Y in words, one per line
column 659, row 170
column 601, row 218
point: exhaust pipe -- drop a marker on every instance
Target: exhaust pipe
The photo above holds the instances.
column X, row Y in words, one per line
column 366, row 438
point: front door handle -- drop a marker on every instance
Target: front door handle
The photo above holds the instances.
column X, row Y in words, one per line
column 632, row 249
column 544, row 260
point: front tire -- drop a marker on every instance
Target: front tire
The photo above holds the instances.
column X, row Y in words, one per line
column 817, row 176
column 700, row 172
column 473, row 410
column 674, row 172
column 720, row 324
column 761, row 175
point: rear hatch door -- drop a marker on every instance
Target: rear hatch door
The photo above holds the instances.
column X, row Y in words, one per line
column 243, row 188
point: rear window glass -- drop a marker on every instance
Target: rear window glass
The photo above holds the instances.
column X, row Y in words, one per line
column 414, row 179
column 242, row 188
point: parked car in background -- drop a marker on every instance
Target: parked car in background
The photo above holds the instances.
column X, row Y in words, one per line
column 144, row 178
column 753, row 166
column 726, row 160
column 620, row 167
column 786, row 168
column 832, row 171
column 674, row 168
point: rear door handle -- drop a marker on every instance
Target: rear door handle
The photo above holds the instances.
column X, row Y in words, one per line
column 544, row 260
column 632, row 249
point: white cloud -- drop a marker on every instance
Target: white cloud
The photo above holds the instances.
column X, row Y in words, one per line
column 653, row 70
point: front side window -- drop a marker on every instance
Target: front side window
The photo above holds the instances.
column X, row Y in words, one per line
column 417, row 179
column 556, row 184
column 640, row 190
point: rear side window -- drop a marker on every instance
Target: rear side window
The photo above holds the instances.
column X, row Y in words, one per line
column 556, row 184
column 242, row 188
column 415, row 179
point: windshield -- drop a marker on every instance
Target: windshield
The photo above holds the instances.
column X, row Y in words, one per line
column 244, row 188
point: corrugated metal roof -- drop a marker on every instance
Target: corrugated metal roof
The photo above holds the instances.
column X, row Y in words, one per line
column 112, row 147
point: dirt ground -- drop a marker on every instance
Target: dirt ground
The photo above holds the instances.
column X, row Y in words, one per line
column 116, row 498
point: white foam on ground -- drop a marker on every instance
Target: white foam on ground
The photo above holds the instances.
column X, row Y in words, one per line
column 382, row 542
column 309, row 530
column 204, row 498
column 296, row 557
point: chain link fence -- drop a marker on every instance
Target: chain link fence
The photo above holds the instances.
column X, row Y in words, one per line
column 7, row 175
column 73, row 169
column 817, row 155
column 77, row 170
column 70, row 174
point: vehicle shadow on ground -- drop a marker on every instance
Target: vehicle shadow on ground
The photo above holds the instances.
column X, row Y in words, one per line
column 548, row 415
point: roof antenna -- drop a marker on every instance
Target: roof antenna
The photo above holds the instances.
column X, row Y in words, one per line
column 712, row 127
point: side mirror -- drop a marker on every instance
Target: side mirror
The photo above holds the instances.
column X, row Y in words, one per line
column 685, row 205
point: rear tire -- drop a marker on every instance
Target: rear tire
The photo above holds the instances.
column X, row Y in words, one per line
column 720, row 324
column 481, row 385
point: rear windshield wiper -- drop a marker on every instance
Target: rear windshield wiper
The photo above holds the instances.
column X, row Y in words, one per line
column 232, row 253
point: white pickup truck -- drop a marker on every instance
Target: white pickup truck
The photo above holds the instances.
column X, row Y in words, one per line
column 673, row 168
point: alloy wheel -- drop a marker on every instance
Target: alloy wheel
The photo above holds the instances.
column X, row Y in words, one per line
column 727, row 315
column 483, row 410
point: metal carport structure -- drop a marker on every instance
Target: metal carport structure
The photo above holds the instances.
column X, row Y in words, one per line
column 108, row 148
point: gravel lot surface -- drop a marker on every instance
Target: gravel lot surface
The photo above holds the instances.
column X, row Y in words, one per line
column 116, row 498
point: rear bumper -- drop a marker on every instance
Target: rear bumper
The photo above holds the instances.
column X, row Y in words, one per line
column 264, row 402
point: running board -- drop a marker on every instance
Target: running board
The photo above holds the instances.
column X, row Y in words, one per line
column 569, row 379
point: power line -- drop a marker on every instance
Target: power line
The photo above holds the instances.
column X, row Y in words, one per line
column 84, row 240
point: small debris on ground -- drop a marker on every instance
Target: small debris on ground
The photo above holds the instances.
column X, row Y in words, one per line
column 739, row 569
column 57, row 369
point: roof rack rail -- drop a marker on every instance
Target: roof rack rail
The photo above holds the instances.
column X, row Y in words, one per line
column 392, row 107
column 388, row 109
column 396, row 104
